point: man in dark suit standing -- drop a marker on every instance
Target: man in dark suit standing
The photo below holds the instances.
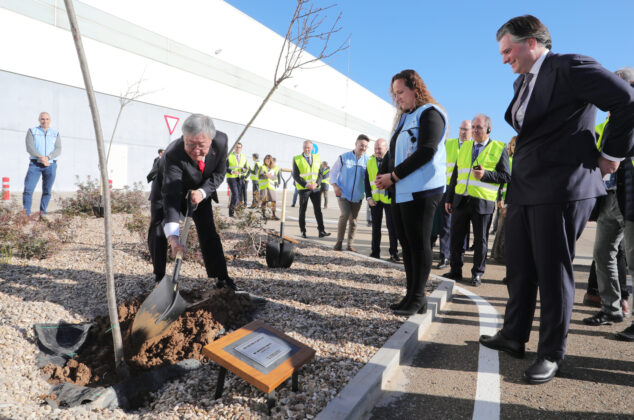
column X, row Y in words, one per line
column 481, row 167
column 557, row 175
column 195, row 162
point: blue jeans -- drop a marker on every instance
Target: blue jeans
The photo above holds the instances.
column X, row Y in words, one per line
column 36, row 169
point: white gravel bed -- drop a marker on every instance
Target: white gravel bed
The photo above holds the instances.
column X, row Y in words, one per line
column 333, row 302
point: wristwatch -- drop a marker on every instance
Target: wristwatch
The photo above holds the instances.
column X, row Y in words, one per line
column 392, row 178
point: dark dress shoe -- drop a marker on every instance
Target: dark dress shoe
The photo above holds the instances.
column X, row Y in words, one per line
column 378, row 257
column 304, row 235
column 602, row 318
column 395, row 258
column 412, row 308
column 453, row 276
column 542, row 370
column 337, row 246
column 444, row 263
column 323, row 234
column 476, row 280
column 627, row 334
column 394, row 306
column 501, row 343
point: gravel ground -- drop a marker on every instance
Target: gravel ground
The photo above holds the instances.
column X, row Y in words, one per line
column 333, row 302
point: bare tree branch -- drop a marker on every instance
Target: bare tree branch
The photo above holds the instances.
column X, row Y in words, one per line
column 305, row 27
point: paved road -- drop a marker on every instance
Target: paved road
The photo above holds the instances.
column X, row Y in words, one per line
column 441, row 381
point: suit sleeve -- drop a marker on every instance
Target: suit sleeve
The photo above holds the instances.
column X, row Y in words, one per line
column 502, row 173
column 451, row 188
column 368, row 189
column 301, row 181
column 172, row 189
column 594, row 84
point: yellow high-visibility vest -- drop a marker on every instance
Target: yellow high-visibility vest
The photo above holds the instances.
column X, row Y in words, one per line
column 307, row 172
column 235, row 165
column 378, row 195
column 452, row 146
column 488, row 159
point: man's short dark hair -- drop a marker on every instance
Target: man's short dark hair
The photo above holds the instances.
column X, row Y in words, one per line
column 255, row 155
column 161, row 151
column 363, row 137
column 524, row 27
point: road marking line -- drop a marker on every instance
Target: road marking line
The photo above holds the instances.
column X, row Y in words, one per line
column 487, row 398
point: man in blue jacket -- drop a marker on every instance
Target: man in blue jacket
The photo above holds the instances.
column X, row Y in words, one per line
column 44, row 145
column 347, row 175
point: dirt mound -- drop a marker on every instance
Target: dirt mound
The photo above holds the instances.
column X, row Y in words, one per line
column 94, row 365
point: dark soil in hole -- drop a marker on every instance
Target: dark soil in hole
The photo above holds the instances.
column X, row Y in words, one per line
column 94, row 365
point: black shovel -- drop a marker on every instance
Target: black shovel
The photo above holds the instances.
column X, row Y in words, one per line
column 165, row 304
column 279, row 252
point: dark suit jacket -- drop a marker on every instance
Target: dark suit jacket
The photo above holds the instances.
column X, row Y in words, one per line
column 178, row 174
column 555, row 158
column 155, row 166
column 501, row 175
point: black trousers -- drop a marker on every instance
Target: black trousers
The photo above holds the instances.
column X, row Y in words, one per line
column 236, row 193
column 315, row 198
column 621, row 263
column 243, row 190
column 377, row 222
column 444, row 230
column 460, row 219
column 413, row 221
column 540, row 246
column 210, row 244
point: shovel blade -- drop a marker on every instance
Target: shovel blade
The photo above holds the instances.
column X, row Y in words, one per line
column 279, row 254
column 162, row 307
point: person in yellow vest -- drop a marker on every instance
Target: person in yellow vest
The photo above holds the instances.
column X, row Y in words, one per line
column 379, row 202
column 497, row 253
column 325, row 181
column 444, row 230
column 482, row 165
column 307, row 182
column 267, row 180
column 236, row 162
column 254, row 172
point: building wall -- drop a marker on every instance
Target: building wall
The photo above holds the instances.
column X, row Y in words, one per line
column 192, row 56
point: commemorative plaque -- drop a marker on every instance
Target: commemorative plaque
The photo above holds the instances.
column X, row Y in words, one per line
column 261, row 355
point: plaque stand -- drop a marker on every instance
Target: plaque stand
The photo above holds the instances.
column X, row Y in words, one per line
column 263, row 378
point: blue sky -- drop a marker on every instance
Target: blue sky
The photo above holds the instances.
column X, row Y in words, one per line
column 452, row 45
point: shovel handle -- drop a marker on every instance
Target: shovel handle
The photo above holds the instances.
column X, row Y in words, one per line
column 183, row 239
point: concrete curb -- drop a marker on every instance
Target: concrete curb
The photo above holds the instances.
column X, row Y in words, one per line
column 361, row 393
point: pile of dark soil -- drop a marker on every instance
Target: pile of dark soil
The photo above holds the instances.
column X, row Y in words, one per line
column 217, row 312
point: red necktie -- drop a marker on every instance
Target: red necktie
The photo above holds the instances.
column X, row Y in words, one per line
column 201, row 165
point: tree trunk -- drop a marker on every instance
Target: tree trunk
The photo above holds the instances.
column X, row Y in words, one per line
column 122, row 369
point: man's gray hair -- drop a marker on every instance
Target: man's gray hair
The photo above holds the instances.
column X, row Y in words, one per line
column 487, row 120
column 627, row 74
column 198, row 123
column 521, row 28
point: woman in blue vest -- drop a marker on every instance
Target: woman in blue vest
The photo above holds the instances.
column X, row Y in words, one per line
column 414, row 173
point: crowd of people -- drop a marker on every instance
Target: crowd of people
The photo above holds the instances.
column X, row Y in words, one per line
column 543, row 187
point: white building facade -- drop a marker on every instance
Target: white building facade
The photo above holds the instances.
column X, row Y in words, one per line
column 200, row 56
